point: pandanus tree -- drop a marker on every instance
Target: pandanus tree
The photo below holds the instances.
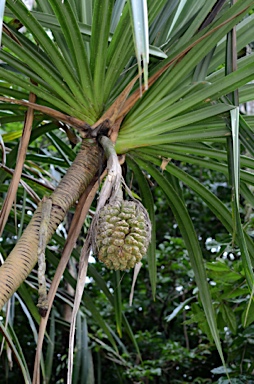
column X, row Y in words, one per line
column 86, row 68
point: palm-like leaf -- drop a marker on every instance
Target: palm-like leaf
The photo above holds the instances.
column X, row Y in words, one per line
column 87, row 59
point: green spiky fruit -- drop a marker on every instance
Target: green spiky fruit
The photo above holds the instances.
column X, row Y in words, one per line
column 122, row 234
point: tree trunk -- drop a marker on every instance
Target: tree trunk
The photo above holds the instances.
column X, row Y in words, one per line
column 23, row 257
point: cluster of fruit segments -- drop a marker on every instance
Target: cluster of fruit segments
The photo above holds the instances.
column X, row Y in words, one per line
column 122, row 234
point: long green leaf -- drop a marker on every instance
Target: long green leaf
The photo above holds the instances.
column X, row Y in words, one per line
column 246, row 135
column 147, row 200
column 26, row 308
column 248, row 267
column 216, row 205
column 184, row 13
column 20, row 81
column 5, row 90
column 247, row 194
column 198, row 149
column 29, row 303
column 245, row 176
column 36, row 50
column 119, row 52
column 50, row 21
column 2, row 6
column 184, row 134
column 103, row 286
column 17, row 351
column 47, row 15
column 178, row 309
column 213, row 92
column 75, row 44
column 243, row 37
column 41, row 70
column 139, row 22
column 233, row 162
column 158, row 125
column 174, row 76
column 45, row 159
column 50, row 348
column 66, row 152
column 174, row 96
column 87, row 373
column 196, row 23
column 234, row 156
column 14, row 62
column 118, row 301
column 246, row 93
column 186, row 227
column 238, row 230
column 99, row 319
column 102, row 11
column 116, row 14
column 159, row 27
column 17, row 7
column 83, row 364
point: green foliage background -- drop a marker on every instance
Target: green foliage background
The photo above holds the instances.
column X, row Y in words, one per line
column 195, row 286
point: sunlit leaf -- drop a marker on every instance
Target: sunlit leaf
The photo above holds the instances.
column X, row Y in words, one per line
column 2, row 6
column 178, row 309
column 141, row 38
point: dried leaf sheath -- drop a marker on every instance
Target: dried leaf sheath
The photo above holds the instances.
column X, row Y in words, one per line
column 23, row 257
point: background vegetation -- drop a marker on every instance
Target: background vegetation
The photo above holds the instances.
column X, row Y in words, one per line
column 189, row 157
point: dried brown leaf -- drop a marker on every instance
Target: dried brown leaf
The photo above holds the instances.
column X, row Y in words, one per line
column 11, row 194
column 82, row 209
column 164, row 163
column 80, row 125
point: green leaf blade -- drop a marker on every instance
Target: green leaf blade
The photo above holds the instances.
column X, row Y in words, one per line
column 139, row 21
column 70, row 29
column 192, row 245
column 102, row 12
column 147, row 200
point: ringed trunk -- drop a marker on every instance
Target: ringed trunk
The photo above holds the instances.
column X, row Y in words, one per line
column 23, row 257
